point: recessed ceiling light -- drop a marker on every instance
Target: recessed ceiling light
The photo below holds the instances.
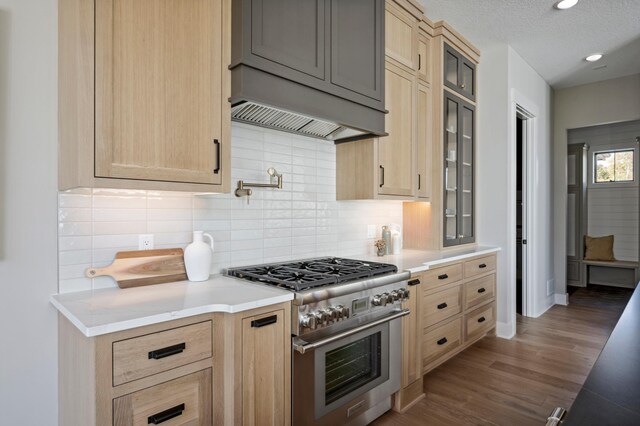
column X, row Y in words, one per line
column 566, row 4
column 594, row 57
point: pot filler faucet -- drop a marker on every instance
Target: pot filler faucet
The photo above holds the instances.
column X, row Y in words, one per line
column 244, row 188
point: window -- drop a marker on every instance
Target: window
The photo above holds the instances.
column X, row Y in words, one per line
column 613, row 166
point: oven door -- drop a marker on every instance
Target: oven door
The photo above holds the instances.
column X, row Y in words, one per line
column 339, row 378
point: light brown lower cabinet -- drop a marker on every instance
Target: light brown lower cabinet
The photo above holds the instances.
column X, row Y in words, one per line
column 222, row 369
column 452, row 307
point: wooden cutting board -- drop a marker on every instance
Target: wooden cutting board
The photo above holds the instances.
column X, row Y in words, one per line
column 144, row 267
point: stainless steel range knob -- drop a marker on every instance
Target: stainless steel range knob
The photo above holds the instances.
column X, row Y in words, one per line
column 343, row 311
column 332, row 314
column 321, row 317
column 403, row 293
column 309, row 321
column 395, row 295
column 380, row 299
column 407, row 294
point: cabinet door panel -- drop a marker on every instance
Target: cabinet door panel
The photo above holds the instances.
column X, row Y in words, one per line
column 357, row 46
column 458, row 166
column 424, row 147
column 158, row 90
column 290, row 33
column 186, row 401
column 401, row 36
column 395, row 152
column 424, row 59
column 263, row 371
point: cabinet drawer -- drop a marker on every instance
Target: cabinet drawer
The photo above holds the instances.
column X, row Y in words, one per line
column 441, row 305
column 144, row 356
column 441, row 276
column 479, row 266
column 443, row 339
column 479, row 321
column 183, row 401
column 479, row 291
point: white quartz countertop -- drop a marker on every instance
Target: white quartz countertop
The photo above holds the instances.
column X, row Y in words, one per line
column 109, row 310
column 114, row 309
column 416, row 261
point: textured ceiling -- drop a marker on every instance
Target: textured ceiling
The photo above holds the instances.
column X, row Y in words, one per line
column 553, row 42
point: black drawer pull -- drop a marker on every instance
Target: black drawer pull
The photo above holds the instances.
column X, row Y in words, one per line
column 482, row 319
column 413, row 282
column 443, row 277
column 218, row 160
column 382, row 176
column 482, row 265
column 442, row 305
column 165, row 415
column 442, row 341
column 168, row 351
column 264, row 321
column 481, row 290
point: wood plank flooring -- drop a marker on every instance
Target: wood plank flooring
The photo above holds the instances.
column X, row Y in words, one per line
column 518, row 382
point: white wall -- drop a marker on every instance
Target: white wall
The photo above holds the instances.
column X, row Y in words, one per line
column 491, row 166
column 604, row 102
column 532, row 92
column 504, row 77
column 28, row 252
column 302, row 219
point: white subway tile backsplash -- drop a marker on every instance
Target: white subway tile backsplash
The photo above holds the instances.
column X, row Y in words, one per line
column 301, row 220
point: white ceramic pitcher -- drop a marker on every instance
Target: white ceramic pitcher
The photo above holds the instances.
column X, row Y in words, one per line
column 197, row 257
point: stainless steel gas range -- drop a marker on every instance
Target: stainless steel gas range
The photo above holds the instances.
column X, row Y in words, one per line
column 346, row 335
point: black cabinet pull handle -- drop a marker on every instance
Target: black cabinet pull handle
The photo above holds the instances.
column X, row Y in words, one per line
column 216, row 142
column 482, row 319
column 419, row 62
column 264, row 321
column 482, row 265
column 442, row 305
column 443, row 277
column 442, row 341
column 382, row 176
column 481, row 290
column 419, row 181
column 413, row 282
column 168, row 351
column 165, row 415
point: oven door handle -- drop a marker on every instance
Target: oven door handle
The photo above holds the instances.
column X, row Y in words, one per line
column 304, row 347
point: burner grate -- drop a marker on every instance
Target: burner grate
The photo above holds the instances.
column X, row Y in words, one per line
column 310, row 273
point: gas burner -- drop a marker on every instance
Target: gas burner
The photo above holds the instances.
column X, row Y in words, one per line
column 310, row 273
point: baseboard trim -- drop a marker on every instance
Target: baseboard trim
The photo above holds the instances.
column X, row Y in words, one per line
column 561, row 299
column 505, row 330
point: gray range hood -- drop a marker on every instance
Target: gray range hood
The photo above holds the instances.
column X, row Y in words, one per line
column 307, row 67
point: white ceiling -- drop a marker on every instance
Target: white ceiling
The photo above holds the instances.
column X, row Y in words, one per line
column 553, row 42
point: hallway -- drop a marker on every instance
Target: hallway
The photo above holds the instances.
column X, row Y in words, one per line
column 519, row 381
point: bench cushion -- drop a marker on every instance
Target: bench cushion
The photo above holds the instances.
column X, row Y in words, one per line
column 598, row 248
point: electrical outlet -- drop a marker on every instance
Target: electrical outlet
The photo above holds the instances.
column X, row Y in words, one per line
column 145, row 242
column 371, row 231
column 550, row 286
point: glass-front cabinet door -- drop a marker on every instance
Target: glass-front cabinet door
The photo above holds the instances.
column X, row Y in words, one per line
column 459, row 73
column 458, row 188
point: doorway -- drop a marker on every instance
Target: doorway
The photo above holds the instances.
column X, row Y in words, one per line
column 519, row 211
column 523, row 132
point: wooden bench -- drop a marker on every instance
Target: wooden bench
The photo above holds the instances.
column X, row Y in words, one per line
column 618, row 264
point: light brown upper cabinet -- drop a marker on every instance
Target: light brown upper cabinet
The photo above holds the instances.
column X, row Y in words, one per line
column 423, row 141
column 143, row 94
column 396, row 151
column 401, row 36
column 385, row 167
column 424, row 58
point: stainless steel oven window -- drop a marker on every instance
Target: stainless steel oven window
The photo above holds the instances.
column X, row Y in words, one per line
column 350, row 367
